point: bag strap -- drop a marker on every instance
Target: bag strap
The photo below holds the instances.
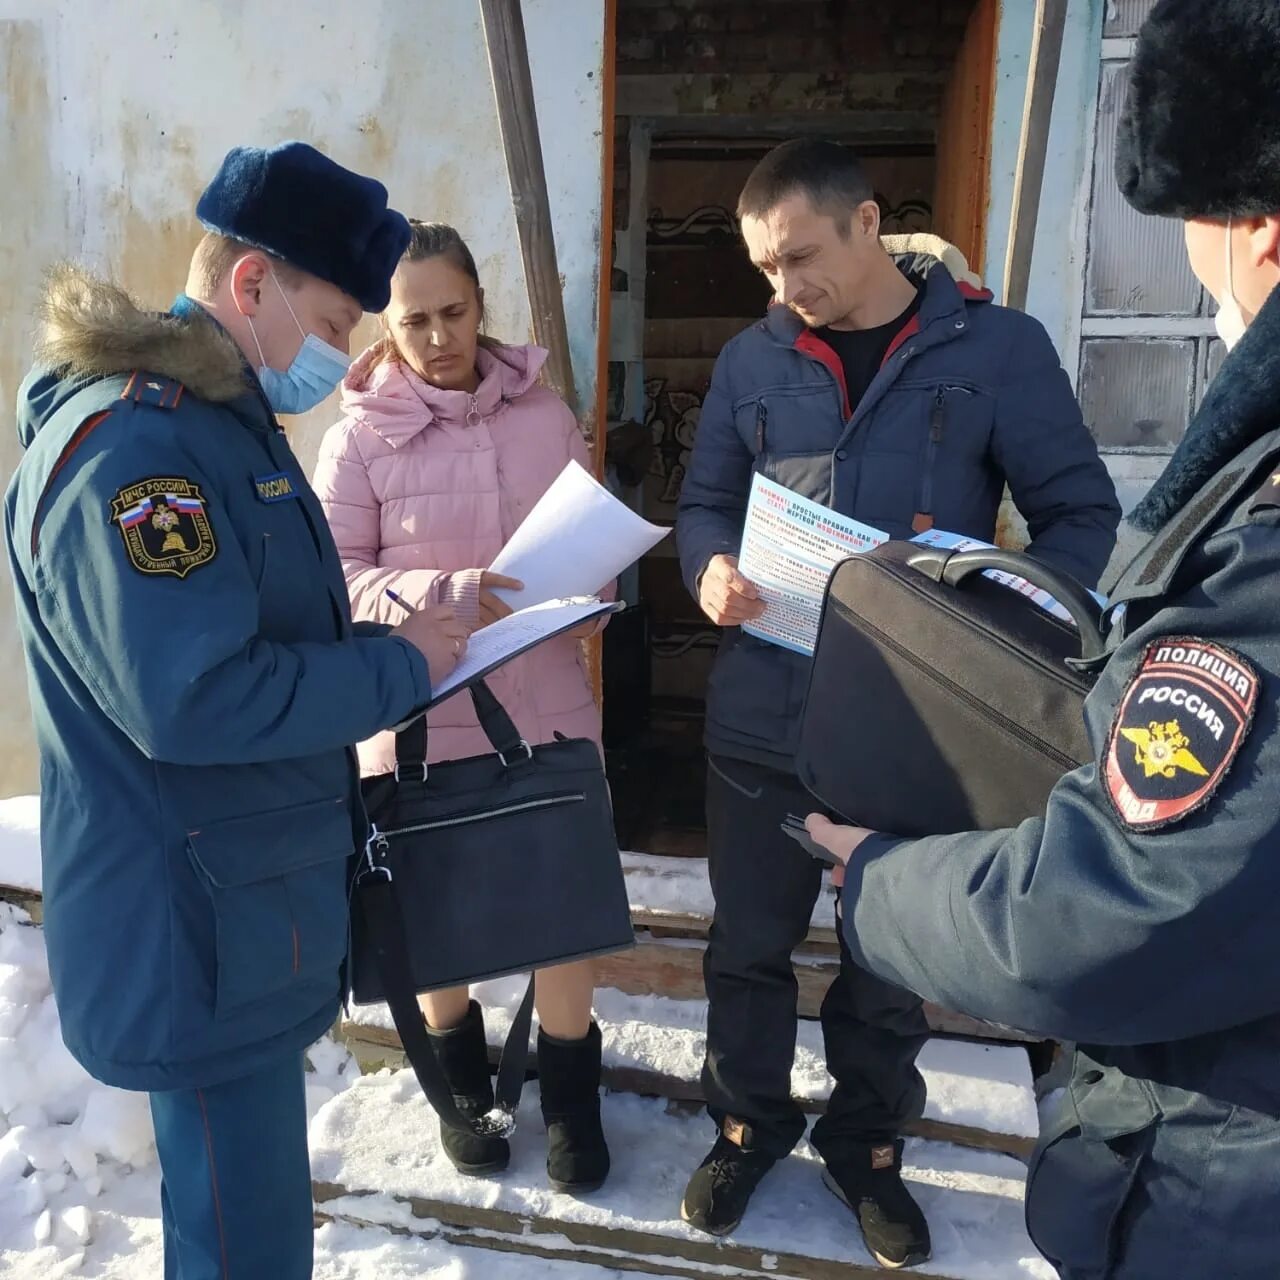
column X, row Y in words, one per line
column 498, row 727
column 384, row 926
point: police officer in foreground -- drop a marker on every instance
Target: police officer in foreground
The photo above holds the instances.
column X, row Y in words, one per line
column 196, row 682
column 1138, row 917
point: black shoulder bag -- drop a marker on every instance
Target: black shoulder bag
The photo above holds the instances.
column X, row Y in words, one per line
column 940, row 700
column 479, row 868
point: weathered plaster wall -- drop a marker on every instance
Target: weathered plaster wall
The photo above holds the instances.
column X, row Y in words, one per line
column 114, row 114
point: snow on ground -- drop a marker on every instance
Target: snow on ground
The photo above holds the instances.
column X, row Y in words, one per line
column 973, row 1198
column 79, row 1184
column 984, row 1086
column 20, row 842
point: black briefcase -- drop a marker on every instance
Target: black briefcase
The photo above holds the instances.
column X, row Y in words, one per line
column 501, row 863
column 477, row 868
column 940, row 700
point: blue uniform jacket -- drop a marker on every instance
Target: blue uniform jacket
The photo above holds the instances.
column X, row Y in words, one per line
column 1138, row 916
column 971, row 396
column 195, row 682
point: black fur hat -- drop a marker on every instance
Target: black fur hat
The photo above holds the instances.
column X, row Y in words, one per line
column 303, row 207
column 1200, row 132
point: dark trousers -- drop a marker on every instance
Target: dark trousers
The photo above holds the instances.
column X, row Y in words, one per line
column 765, row 887
column 235, row 1194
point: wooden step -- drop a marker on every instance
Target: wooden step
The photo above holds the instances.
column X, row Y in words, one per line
column 673, row 967
column 671, row 897
column 27, row 899
column 439, row 1249
column 980, row 1095
column 376, row 1159
column 672, row 906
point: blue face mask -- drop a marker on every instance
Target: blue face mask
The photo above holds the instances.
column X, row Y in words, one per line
column 315, row 371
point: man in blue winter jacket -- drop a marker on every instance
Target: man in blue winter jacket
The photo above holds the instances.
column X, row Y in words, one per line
column 196, row 683
column 890, row 392
column 1137, row 916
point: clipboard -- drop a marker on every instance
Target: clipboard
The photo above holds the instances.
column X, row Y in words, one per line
column 497, row 644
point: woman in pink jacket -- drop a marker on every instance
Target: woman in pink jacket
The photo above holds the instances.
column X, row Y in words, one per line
column 446, row 443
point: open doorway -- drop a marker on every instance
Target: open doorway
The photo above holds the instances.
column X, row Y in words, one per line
column 703, row 91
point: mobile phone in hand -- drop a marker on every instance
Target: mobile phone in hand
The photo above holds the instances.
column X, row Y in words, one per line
column 795, row 828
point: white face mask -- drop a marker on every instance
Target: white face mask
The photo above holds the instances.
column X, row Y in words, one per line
column 315, row 371
column 1229, row 322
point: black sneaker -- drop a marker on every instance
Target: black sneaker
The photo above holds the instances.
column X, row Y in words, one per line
column 868, row 1178
column 721, row 1188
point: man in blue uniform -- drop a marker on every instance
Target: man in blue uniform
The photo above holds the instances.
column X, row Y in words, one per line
column 1138, row 915
column 196, row 681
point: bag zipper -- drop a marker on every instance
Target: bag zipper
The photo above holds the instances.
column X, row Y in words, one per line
column 962, row 694
column 483, row 815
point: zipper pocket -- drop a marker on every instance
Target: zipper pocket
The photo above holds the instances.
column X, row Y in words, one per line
column 483, row 815
column 923, row 520
column 762, row 421
column 961, row 694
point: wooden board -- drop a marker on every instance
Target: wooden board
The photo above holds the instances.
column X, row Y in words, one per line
column 962, row 187
column 611, row 1247
column 655, row 967
column 377, row 1047
column 27, row 899
column 652, row 969
column 820, row 941
column 468, row 1240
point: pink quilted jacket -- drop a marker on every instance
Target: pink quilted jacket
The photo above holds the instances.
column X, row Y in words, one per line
column 422, row 488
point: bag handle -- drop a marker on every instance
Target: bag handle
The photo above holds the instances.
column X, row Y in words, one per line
column 953, row 567
column 384, row 925
column 498, row 727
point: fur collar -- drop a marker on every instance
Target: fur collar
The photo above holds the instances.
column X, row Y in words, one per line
column 1241, row 405
column 90, row 328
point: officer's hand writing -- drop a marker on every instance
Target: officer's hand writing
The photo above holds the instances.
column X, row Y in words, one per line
column 842, row 841
column 726, row 597
column 494, row 607
column 438, row 634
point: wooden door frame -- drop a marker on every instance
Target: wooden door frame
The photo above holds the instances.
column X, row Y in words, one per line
column 598, row 424
column 966, row 132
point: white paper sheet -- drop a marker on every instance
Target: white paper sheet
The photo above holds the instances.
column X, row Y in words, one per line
column 509, row 637
column 575, row 541
column 791, row 544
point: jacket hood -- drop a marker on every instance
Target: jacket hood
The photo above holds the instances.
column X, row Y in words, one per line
column 88, row 328
column 391, row 399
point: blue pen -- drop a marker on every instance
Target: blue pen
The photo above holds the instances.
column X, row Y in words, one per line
column 396, row 598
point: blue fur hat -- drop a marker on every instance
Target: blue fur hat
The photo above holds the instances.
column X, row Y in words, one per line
column 1200, row 133
column 299, row 205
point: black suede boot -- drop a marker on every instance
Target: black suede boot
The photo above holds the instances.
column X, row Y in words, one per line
column 463, row 1055
column 868, row 1178
column 569, row 1076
